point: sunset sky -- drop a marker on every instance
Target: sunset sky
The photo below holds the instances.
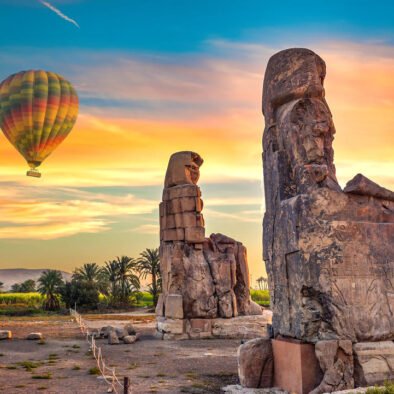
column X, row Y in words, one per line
column 158, row 76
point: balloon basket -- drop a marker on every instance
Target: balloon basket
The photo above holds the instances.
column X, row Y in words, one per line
column 34, row 173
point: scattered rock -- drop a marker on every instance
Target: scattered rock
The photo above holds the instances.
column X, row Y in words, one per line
column 104, row 332
column 113, row 338
column 237, row 389
column 35, row 336
column 256, row 364
column 130, row 329
column 129, row 339
column 5, row 334
column 121, row 332
column 171, row 326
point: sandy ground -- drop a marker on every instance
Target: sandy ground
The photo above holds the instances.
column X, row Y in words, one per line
column 153, row 365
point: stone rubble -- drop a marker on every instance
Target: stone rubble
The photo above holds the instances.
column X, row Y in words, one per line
column 5, row 334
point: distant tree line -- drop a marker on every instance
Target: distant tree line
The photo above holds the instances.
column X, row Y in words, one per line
column 262, row 283
column 118, row 282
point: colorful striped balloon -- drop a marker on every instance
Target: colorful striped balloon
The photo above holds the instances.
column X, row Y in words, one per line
column 37, row 111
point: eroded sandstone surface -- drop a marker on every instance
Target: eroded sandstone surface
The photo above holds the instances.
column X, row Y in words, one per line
column 203, row 278
column 329, row 252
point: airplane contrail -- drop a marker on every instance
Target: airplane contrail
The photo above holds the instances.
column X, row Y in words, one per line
column 58, row 12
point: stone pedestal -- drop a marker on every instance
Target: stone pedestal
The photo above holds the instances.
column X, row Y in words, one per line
column 374, row 363
column 296, row 368
column 240, row 327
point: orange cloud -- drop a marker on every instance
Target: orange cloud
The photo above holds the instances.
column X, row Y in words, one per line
column 63, row 212
column 140, row 109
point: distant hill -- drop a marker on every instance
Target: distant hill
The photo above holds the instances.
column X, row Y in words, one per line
column 19, row 275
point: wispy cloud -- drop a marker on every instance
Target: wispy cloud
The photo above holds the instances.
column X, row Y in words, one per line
column 61, row 212
column 58, row 12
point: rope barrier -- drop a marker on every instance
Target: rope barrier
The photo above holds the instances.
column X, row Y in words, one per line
column 108, row 374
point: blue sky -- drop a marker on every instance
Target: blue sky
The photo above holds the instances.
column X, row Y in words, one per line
column 155, row 77
column 183, row 25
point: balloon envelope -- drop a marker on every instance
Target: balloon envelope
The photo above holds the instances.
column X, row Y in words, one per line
column 37, row 111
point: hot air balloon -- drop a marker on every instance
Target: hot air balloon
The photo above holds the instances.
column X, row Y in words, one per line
column 37, row 111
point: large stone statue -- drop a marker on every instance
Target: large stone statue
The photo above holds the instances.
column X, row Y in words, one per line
column 205, row 280
column 329, row 253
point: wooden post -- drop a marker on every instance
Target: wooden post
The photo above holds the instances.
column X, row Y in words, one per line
column 125, row 385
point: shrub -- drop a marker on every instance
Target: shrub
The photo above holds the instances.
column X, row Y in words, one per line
column 388, row 388
column 261, row 297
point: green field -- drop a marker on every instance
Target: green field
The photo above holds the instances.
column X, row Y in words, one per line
column 20, row 304
column 261, row 297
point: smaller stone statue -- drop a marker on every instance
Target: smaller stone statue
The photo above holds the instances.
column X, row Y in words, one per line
column 203, row 278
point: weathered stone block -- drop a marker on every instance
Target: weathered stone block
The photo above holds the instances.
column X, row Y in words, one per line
column 176, row 234
column 247, row 327
column 188, row 204
column 256, row 363
column 199, row 328
column 167, row 222
column 336, row 361
column 162, row 209
column 174, row 206
column 171, row 326
column 200, row 222
column 174, row 306
column 373, row 363
column 296, row 368
column 113, row 338
column 181, row 191
column 159, row 311
column 186, row 219
column 34, row 336
column 130, row 339
column 194, row 234
column 199, row 204
column 5, row 334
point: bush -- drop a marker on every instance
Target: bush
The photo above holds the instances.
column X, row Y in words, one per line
column 142, row 298
column 83, row 293
column 388, row 388
column 261, row 297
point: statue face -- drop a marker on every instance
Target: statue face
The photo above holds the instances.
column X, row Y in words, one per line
column 194, row 172
column 314, row 141
column 316, row 129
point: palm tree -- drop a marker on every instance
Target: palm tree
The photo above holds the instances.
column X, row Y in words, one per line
column 110, row 273
column 149, row 264
column 126, row 277
column 88, row 272
column 48, row 285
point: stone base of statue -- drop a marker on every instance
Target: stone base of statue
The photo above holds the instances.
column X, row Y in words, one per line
column 296, row 368
column 240, row 327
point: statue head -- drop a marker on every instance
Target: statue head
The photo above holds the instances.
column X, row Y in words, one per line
column 183, row 168
column 291, row 74
column 298, row 121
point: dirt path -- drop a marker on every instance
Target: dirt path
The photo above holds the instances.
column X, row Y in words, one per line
column 153, row 365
